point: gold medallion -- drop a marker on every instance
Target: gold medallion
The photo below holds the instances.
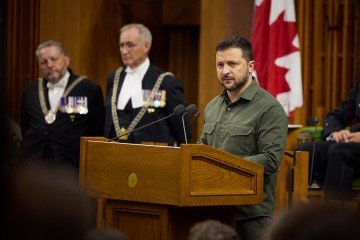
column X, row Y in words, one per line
column 122, row 132
column 132, row 180
column 162, row 103
column 163, row 99
column 50, row 117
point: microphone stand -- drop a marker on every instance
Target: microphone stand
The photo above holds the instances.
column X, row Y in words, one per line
column 316, row 119
column 189, row 109
column 183, row 123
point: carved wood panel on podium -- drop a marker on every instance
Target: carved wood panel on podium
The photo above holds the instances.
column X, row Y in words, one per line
column 159, row 192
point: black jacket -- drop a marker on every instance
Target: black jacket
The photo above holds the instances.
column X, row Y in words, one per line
column 345, row 114
column 168, row 131
column 59, row 142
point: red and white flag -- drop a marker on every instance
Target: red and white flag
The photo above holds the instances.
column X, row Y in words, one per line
column 276, row 51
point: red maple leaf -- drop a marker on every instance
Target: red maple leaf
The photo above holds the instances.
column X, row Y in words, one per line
column 269, row 43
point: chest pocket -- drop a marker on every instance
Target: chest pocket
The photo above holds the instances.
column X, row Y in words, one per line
column 209, row 134
column 209, row 128
column 241, row 141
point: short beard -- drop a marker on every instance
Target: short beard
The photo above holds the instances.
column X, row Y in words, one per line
column 237, row 85
column 56, row 80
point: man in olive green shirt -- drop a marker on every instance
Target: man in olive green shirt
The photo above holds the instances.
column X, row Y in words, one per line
column 247, row 121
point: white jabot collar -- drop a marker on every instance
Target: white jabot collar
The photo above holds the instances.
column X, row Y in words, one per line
column 132, row 86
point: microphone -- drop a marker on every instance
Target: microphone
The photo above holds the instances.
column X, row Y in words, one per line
column 179, row 109
column 316, row 120
column 196, row 115
column 189, row 109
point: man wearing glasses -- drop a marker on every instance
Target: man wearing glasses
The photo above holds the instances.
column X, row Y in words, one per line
column 139, row 93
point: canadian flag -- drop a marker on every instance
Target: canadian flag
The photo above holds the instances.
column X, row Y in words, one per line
column 277, row 53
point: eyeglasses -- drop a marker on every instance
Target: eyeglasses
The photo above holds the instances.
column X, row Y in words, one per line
column 128, row 46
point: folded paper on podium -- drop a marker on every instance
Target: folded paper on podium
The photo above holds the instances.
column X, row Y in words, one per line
column 160, row 188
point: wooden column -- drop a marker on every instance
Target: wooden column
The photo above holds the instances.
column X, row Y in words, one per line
column 21, row 27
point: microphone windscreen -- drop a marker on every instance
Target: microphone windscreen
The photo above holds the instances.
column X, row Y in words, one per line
column 316, row 120
column 191, row 108
column 179, row 109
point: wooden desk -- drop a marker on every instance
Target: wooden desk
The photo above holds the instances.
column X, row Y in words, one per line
column 292, row 183
column 293, row 133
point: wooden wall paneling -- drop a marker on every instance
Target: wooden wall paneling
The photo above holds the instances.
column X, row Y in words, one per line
column 212, row 30
column 357, row 41
column 339, row 52
column 184, row 61
column 181, row 20
column 331, row 47
column 10, row 22
column 345, row 34
column 304, row 20
column 320, row 112
column 318, row 42
column 335, row 60
column 239, row 18
column 100, row 23
column 150, row 14
column 90, row 31
column 345, row 39
column 299, row 11
column 344, row 80
column 61, row 21
column 28, row 36
column 20, row 31
column 328, row 54
column 333, row 57
column 307, row 60
column 326, row 32
column 80, row 26
column 181, row 12
column 348, row 47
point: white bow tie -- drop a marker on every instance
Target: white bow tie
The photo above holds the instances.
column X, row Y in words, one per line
column 132, row 72
column 57, row 85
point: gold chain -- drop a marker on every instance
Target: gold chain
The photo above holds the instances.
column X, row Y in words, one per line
column 141, row 113
column 44, row 108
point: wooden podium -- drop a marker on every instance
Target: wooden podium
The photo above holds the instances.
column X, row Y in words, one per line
column 158, row 192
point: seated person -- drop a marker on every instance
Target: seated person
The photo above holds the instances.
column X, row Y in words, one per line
column 337, row 157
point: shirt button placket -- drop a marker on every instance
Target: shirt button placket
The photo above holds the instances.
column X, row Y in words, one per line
column 223, row 128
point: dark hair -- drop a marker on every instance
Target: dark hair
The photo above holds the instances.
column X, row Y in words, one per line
column 47, row 203
column 237, row 42
column 51, row 43
column 317, row 221
column 212, row 230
